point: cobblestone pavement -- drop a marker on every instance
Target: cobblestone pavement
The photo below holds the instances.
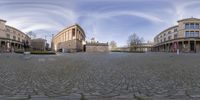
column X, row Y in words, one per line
column 113, row 76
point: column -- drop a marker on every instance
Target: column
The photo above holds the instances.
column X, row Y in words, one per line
column 168, row 47
column 188, row 49
column 20, row 46
column 8, row 46
column 183, row 46
column 164, row 47
column 195, row 45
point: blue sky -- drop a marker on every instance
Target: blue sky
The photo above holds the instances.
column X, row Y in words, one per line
column 106, row 20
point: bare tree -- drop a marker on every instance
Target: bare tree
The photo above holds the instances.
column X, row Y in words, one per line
column 134, row 41
column 31, row 34
column 113, row 45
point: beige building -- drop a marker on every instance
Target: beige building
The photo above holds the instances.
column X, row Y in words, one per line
column 183, row 37
column 39, row 44
column 71, row 39
column 95, row 46
column 12, row 38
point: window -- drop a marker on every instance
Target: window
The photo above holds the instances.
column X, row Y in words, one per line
column 18, row 39
column 197, row 26
column 169, row 32
column 191, row 25
column 164, row 39
column 175, row 30
column 192, row 34
column 8, row 30
column 169, row 37
column 175, row 36
column 164, row 34
column 8, row 36
column 14, row 37
column 196, row 34
column 187, row 34
column 187, row 26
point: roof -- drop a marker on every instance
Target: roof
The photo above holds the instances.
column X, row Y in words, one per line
column 167, row 29
column 96, row 44
column 2, row 20
column 70, row 27
column 188, row 19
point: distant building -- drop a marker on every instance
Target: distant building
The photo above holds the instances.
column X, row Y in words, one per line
column 143, row 47
column 12, row 38
column 70, row 39
column 183, row 37
column 38, row 44
column 95, row 46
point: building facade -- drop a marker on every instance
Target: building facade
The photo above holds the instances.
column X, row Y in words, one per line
column 12, row 39
column 183, row 37
column 70, row 39
column 39, row 44
column 95, row 46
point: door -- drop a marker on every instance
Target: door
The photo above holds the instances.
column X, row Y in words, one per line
column 192, row 47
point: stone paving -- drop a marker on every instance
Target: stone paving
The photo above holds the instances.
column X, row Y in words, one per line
column 100, row 76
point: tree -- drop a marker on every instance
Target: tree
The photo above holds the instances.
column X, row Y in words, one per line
column 31, row 34
column 113, row 45
column 134, row 41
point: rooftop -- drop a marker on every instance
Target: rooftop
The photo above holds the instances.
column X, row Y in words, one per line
column 2, row 20
column 188, row 19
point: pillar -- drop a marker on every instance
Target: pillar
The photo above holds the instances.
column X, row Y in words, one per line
column 188, row 46
column 20, row 46
column 183, row 46
column 168, row 47
column 195, row 46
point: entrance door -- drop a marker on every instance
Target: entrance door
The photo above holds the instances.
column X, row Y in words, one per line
column 84, row 48
column 192, row 48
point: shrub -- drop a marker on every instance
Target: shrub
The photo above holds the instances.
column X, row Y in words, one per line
column 19, row 51
column 43, row 52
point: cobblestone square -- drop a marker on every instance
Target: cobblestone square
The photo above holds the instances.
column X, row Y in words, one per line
column 100, row 76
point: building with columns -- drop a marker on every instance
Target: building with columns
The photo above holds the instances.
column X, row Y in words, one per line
column 183, row 37
column 70, row 39
column 12, row 39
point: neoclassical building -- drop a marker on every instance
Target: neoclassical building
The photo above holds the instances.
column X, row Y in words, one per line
column 12, row 38
column 183, row 37
column 70, row 39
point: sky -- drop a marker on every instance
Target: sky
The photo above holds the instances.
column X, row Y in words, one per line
column 105, row 20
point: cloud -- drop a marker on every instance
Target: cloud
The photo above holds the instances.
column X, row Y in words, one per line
column 99, row 18
column 111, row 14
column 28, row 14
column 181, row 8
